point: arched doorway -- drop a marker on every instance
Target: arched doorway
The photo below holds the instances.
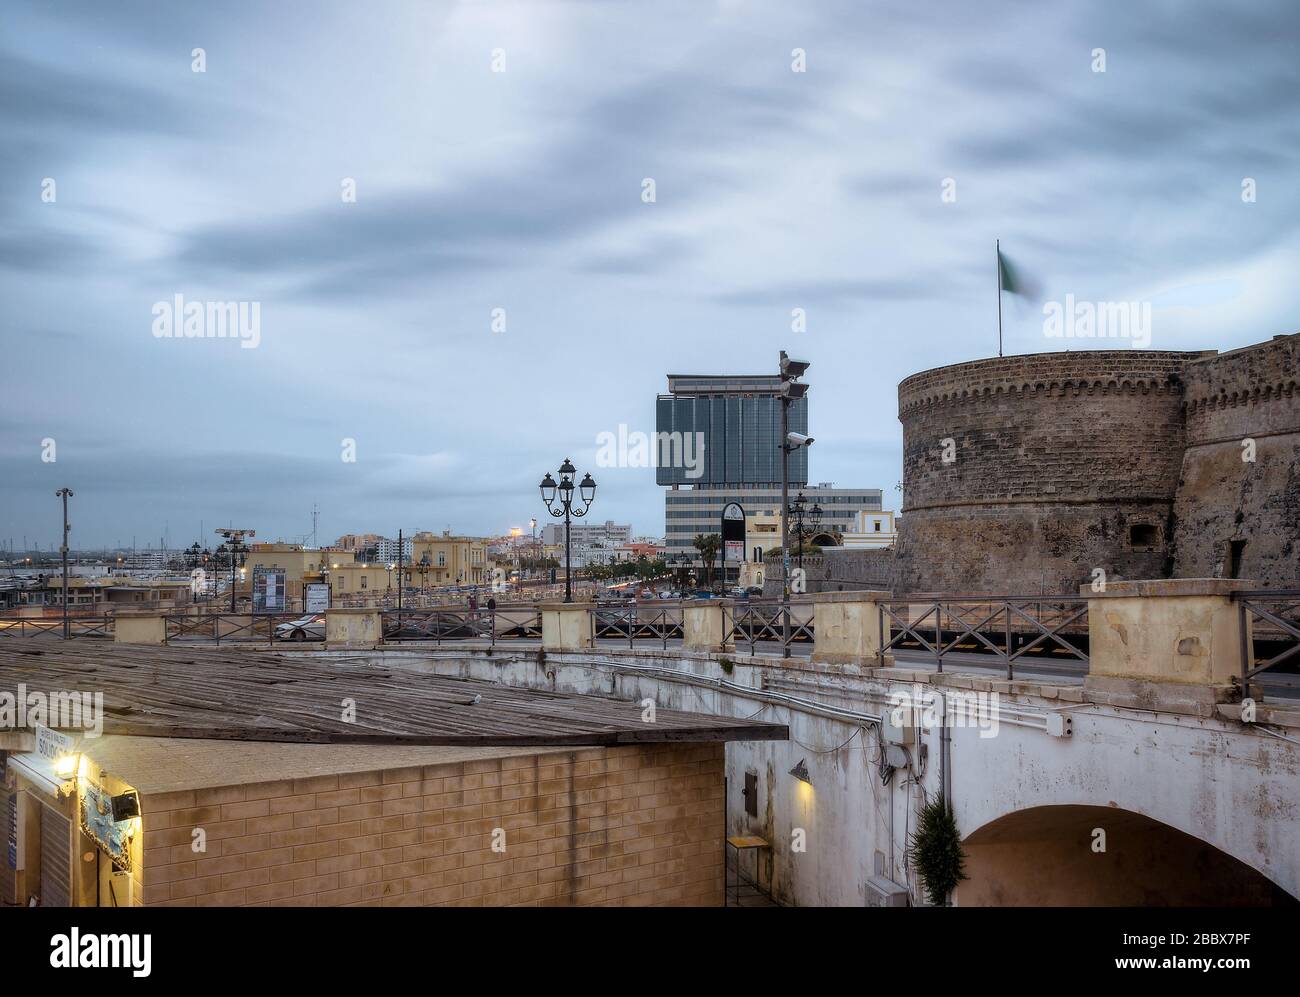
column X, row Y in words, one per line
column 1051, row 856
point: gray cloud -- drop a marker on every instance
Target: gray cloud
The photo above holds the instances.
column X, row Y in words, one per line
column 522, row 190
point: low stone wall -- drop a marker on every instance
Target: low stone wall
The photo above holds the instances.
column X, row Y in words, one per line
column 838, row 569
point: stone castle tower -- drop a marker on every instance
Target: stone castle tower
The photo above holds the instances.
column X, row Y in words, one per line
column 1025, row 474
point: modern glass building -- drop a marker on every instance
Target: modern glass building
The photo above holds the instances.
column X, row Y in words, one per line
column 737, row 419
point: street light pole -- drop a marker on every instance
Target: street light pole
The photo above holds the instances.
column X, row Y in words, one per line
column 565, row 487
column 796, row 510
column 235, row 544
column 791, row 390
column 65, row 494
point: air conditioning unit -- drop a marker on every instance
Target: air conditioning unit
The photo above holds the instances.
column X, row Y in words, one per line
column 882, row 892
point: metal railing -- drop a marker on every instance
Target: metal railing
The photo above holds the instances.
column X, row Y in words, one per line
column 1006, row 627
column 652, row 623
column 755, row 621
column 82, row 625
column 1270, row 621
column 240, row 628
column 439, row 625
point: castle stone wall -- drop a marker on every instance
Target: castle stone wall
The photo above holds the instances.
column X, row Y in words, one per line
column 1250, row 395
column 1059, row 464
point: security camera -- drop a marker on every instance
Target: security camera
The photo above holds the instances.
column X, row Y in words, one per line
column 798, row 440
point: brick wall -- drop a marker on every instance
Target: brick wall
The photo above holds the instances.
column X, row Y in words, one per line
column 631, row 825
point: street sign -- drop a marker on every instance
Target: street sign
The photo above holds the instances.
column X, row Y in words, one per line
column 317, row 598
column 733, row 536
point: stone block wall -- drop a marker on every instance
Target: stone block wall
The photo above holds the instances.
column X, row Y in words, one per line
column 640, row 825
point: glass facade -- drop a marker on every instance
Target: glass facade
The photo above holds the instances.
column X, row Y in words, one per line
column 738, row 421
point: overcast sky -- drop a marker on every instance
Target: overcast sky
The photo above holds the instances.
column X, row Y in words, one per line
column 522, row 190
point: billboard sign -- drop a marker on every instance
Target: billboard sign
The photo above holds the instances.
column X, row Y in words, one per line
column 268, row 589
column 733, row 535
column 317, row 597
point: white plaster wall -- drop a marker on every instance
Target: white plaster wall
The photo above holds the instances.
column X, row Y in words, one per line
column 1235, row 788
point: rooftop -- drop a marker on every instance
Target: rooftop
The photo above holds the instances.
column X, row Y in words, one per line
column 169, row 765
column 243, row 694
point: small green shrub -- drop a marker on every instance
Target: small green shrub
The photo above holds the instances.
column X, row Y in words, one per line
column 936, row 851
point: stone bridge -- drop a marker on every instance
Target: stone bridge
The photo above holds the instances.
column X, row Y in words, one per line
column 1148, row 781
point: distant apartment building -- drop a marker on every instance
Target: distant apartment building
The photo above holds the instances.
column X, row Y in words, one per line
column 607, row 534
column 357, row 542
column 152, row 560
column 386, row 549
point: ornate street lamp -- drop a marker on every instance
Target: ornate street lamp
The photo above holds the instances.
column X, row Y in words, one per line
column 564, row 488
column 798, row 509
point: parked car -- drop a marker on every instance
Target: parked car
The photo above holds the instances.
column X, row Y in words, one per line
column 307, row 628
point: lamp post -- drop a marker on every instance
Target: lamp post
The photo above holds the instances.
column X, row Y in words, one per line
column 235, row 547
column 683, row 564
column 564, row 489
column 797, row 510
column 791, row 390
column 399, row 572
column 65, row 494
column 532, row 526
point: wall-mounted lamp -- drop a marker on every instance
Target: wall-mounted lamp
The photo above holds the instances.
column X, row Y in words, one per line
column 800, row 771
column 126, row 806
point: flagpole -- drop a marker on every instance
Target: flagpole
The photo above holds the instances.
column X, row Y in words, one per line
column 997, row 254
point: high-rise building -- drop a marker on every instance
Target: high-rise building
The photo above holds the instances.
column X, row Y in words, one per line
column 737, row 421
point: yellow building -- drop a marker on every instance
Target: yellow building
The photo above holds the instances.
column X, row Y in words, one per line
column 448, row 560
column 362, row 579
column 301, row 565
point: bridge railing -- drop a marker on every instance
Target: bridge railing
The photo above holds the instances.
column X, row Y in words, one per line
column 1008, row 628
column 756, row 622
column 238, row 628
column 1270, row 629
column 454, row 625
column 80, row 625
column 636, row 623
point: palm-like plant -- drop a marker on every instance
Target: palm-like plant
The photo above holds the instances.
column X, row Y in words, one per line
column 708, row 544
